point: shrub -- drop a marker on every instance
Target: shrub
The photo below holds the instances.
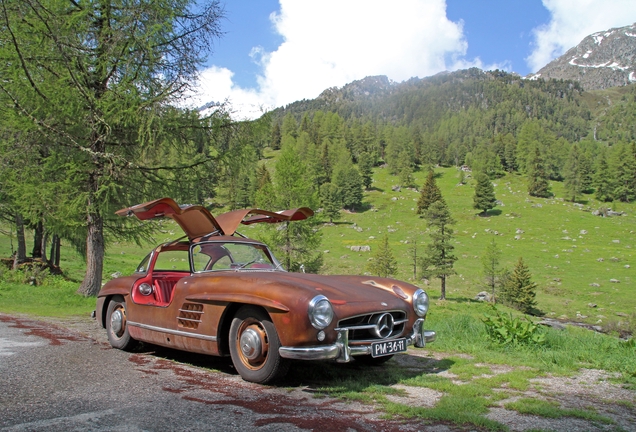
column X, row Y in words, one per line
column 503, row 329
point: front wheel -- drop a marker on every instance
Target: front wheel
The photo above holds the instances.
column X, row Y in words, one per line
column 254, row 345
column 117, row 326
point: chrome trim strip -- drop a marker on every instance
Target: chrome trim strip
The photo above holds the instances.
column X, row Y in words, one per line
column 190, row 311
column 174, row 332
column 189, row 319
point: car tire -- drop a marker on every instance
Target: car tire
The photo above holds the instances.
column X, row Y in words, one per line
column 373, row 361
column 254, row 345
column 116, row 325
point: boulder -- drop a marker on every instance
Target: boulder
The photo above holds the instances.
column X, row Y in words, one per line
column 484, row 296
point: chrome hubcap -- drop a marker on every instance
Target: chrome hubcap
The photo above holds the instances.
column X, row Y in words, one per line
column 251, row 344
column 116, row 321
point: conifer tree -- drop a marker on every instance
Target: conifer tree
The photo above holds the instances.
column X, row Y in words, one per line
column 519, row 290
column 264, row 196
column 587, row 173
column 439, row 260
column 331, row 199
column 490, row 266
column 538, row 184
column 625, row 173
column 429, row 194
column 484, row 198
column 365, row 164
column 347, row 178
column 94, row 80
column 383, row 262
column 574, row 172
column 275, row 141
column 297, row 242
column 603, row 181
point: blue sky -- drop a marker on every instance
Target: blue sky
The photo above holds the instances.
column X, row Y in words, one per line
column 275, row 52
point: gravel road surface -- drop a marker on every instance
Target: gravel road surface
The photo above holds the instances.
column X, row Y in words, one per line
column 55, row 379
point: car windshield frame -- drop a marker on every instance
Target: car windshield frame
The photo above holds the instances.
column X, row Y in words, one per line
column 234, row 266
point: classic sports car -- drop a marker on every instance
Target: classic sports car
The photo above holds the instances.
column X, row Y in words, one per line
column 219, row 293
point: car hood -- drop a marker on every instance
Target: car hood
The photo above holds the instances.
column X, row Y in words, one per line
column 339, row 289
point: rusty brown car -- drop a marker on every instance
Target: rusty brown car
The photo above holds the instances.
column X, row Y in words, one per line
column 217, row 292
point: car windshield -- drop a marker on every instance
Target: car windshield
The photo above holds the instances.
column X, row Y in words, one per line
column 224, row 256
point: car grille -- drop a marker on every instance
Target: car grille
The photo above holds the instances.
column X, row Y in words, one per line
column 365, row 327
column 190, row 315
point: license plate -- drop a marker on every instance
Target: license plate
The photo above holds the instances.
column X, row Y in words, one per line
column 379, row 349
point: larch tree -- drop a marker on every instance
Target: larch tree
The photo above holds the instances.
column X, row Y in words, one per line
column 429, row 194
column 484, row 198
column 603, row 181
column 624, row 173
column 331, row 200
column 538, row 184
column 296, row 242
column 519, row 291
column 438, row 260
column 383, row 262
column 93, row 79
column 574, row 172
column 490, row 266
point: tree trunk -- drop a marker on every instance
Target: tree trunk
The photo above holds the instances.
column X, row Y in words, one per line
column 94, row 256
column 20, row 255
column 37, row 240
column 45, row 240
column 443, row 295
column 55, row 251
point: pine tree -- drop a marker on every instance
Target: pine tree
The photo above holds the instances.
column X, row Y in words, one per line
column 587, row 173
column 264, row 196
column 484, row 198
column 347, row 178
column 603, row 180
column 383, row 263
column 429, row 194
column 574, row 174
column 275, row 141
column 625, row 174
column 519, row 290
column 490, row 266
column 439, row 259
column 538, row 184
column 365, row 164
column 331, row 199
column 296, row 242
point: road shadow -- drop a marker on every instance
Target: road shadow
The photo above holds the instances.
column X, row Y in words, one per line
column 327, row 377
column 319, row 376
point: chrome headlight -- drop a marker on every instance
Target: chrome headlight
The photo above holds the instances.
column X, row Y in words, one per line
column 420, row 302
column 320, row 312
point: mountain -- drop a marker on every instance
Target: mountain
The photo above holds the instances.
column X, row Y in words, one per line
column 602, row 60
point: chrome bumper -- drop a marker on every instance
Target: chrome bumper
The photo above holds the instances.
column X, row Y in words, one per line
column 342, row 352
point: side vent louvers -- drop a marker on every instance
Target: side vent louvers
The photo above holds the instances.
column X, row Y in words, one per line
column 190, row 315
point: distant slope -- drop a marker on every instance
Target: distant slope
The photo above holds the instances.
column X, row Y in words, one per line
column 454, row 106
column 602, row 60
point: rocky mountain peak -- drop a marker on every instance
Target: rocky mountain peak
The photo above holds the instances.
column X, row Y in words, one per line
column 603, row 59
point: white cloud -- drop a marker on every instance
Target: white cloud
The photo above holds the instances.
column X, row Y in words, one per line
column 573, row 20
column 330, row 43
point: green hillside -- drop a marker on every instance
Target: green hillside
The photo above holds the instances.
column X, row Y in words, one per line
column 562, row 243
